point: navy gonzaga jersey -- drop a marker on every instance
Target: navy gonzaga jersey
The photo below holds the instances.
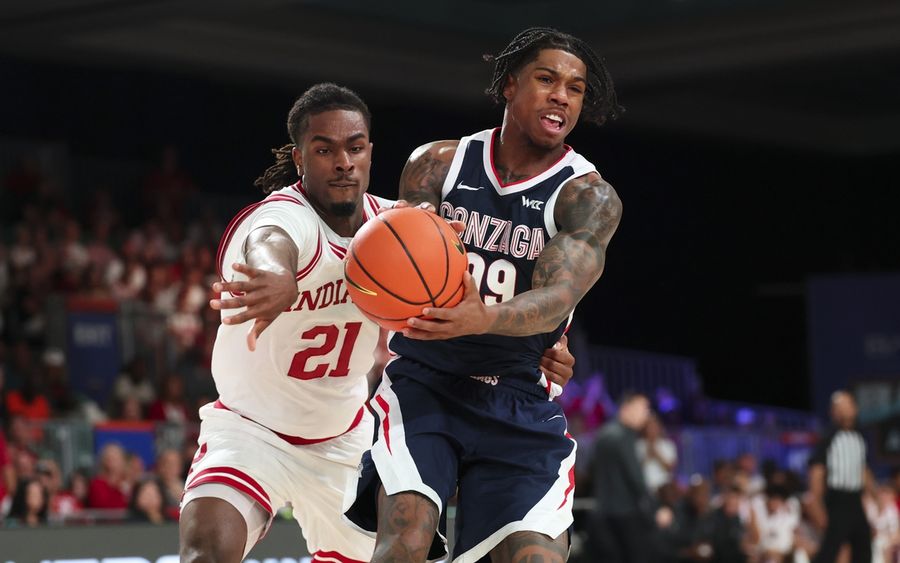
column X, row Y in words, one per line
column 507, row 226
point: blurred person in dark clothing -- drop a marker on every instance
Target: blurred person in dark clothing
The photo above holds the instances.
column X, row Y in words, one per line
column 623, row 517
column 29, row 505
column 721, row 535
column 722, row 476
column 147, row 503
column 837, row 476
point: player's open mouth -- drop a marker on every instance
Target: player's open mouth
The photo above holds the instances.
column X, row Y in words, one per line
column 553, row 121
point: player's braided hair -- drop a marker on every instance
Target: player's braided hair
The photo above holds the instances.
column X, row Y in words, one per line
column 600, row 101
column 317, row 99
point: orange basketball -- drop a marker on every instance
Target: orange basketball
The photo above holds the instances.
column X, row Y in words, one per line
column 402, row 261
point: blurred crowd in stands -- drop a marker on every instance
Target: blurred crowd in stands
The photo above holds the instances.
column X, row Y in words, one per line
column 97, row 252
column 160, row 260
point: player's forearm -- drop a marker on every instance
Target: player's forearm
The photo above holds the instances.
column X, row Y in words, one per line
column 271, row 249
column 532, row 312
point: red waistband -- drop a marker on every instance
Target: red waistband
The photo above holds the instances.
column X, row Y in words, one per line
column 297, row 440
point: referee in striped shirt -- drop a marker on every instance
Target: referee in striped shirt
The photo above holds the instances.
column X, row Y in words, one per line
column 837, row 476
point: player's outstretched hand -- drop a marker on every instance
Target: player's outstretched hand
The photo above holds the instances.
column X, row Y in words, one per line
column 265, row 295
column 469, row 316
column 457, row 226
column 557, row 363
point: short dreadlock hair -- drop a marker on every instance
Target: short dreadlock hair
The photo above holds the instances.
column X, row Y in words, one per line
column 319, row 98
column 600, row 103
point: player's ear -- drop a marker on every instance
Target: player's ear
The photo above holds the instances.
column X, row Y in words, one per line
column 509, row 89
column 297, row 157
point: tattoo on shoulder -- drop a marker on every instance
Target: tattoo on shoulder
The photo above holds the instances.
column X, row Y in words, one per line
column 423, row 178
column 588, row 213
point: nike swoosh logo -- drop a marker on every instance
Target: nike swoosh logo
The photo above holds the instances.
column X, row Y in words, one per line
column 470, row 188
column 552, row 417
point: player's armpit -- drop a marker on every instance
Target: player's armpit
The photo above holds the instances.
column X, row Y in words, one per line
column 587, row 212
column 423, row 176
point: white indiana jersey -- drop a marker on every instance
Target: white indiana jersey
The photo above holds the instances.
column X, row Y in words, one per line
column 307, row 378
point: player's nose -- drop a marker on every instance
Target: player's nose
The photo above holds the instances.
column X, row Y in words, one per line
column 342, row 161
column 560, row 95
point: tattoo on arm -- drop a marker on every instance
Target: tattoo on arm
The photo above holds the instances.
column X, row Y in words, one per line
column 423, row 176
column 532, row 547
column 588, row 211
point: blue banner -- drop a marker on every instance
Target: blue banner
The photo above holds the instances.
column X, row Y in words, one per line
column 854, row 340
column 92, row 353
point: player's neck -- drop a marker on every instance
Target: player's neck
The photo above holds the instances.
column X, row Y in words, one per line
column 344, row 226
column 516, row 157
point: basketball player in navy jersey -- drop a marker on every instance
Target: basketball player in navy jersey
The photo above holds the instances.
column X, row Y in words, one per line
column 463, row 407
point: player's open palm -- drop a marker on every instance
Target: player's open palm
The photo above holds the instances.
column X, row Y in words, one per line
column 265, row 295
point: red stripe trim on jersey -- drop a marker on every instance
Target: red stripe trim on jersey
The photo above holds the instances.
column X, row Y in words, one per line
column 229, row 232
column 234, row 484
column 571, row 486
column 299, row 188
column 517, row 182
column 549, row 385
column 338, row 250
column 373, row 207
column 315, row 259
column 333, row 557
column 237, row 220
column 386, row 425
column 298, row 440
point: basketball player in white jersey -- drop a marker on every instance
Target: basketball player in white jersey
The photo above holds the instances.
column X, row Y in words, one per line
column 292, row 353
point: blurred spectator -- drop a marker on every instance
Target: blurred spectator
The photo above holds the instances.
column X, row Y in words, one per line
column 78, row 490
column 722, row 478
column 135, row 469
column 895, row 484
column 74, row 257
column 132, row 279
column 29, row 505
column 168, row 472
column 883, row 517
column 837, row 475
column 184, row 325
column 7, row 472
column 692, row 520
column 171, row 406
column 168, row 186
column 746, row 464
column 110, row 488
column 623, row 518
column 29, row 402
column 774, row 521
column 134, row 383
column 62, row 503
column 721, row 535
column 130, row 410
column 146, row 503
column 657, row 454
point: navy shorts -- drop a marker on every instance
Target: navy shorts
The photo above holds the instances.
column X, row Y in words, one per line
column 502, row 449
